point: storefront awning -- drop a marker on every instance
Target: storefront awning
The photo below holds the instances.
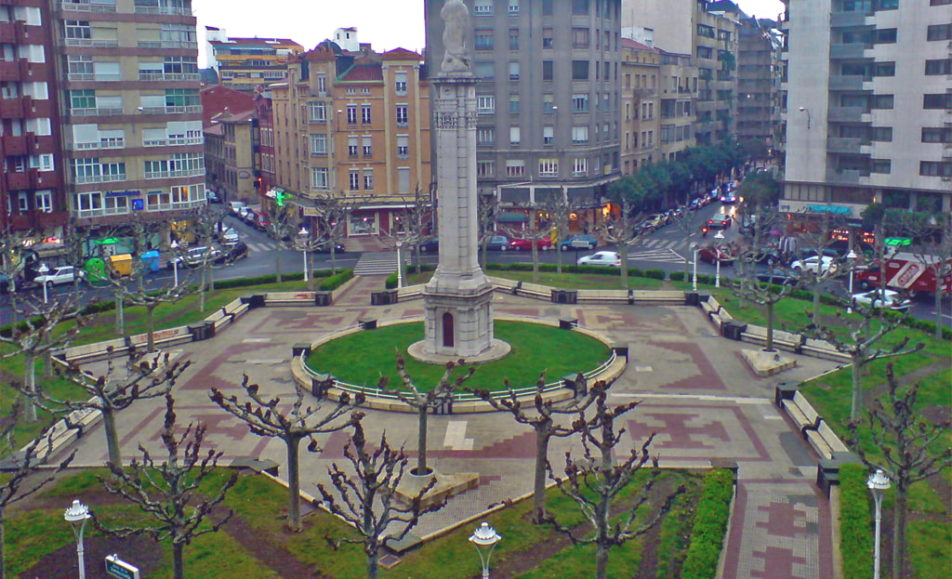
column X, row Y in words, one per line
column 512, row 217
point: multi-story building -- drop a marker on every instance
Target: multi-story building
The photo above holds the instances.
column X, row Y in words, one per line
column 264, row 146
column 356, row 126
column 229, row 120
column 31, row 185
column 709, row 32
column 678, row 84
column 131, row 110
column 248, row 64
column 641, row 82
column 869, row 106
column 547, row 97
column 758, row 86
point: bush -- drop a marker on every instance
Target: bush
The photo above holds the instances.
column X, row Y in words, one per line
column 710, row 524
column 856, row 540
column 655, row 274
column 676, row 276
column 391, row 282
column 335, row 281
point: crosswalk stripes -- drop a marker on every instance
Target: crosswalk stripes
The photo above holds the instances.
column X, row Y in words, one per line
column 260, row 246
column 665, row 255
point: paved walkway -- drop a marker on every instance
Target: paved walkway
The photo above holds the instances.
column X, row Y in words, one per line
column 696, row 393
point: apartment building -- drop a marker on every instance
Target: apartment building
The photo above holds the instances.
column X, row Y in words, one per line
column 248, row 64
column 678, row 82
column 31, row 184
column 758, row 86
column 355, row 126
column 229, row 121
column 131, row 110
column 548, row 106
column 640, row 105
column 709, row 32
column 869, row 106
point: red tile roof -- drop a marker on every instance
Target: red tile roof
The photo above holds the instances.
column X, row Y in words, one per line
column 401, row 54
column 629, row 43
column 219, row 99
column 366, row 72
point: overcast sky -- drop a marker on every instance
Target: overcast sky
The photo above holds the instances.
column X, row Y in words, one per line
column 386, row 24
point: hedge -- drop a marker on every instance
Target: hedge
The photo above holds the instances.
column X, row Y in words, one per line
column 676, row 276
column 856, row 537
column 655, row 273
column 335, row 281
column 710, row 525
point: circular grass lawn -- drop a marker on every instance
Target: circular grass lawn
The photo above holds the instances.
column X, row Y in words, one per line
column 363, row 357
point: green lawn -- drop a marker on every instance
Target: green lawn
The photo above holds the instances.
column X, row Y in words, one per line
column 363, row 357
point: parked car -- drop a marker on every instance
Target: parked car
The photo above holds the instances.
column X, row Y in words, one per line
column 229, row 236
column 431, row 245
column 696, row 203
column 212, row 196
column 586, row 242
column 236, row 207
column 258, row 219
column 719, row 221
column 879, row 298
column 498, row 243
column 713, row 255
column 728, row 198
column 58, row 276
column 611, row 258
column 778, row 276
column 325, row 247
column 815, row 264
column 197, row 256
column 526, row 244
column 236, row 251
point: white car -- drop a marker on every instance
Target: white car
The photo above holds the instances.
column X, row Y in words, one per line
column 58, row 276
column 611, row 258
column 815, row 264
column 237, row 206
column 879, row 298
column 229, row 236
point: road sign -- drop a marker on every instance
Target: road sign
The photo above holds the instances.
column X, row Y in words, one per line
column 119, row 568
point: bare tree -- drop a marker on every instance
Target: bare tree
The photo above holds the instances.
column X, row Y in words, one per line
column 535, row 235
column 367, row 499
column 623, row 231
column 688, row 225
column 486, row 211
column 410, row 223
column 425, row 402
column 596, row 480
column 267, row 418
column 333, row 212
column 281, row 230
column 207, row 225
column 898, row 429
column 933, row 249
column 19, row 467
column 168, row 491
column 541, row 416
column 818, row 241
column 142, row 377
column 40, row 333
column 559, row 211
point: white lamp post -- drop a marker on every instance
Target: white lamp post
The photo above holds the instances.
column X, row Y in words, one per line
column 399, row 264
column 878, row 483
column 303, row 233
column 717, row 258
column 485, row 539
column 850, row 259
column 694, row 272
column 174, row 246
column 43, row 271
column 76, row 515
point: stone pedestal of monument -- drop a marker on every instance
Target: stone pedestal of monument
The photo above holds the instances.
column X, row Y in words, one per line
column 446, row 486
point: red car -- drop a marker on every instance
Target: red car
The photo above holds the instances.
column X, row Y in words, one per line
column 544, row 244
column 719, row 221
column 714, row 254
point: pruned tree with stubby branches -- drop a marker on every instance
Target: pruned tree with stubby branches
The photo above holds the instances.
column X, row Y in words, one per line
column 596, row 480
column 269, row 418
column 486, row 210
column 906, row 438
column 559, row 212
column 330, row 227
column 141, row 376
column 19, row 467
column 622, row 230
column 367, row 498
column 168, row 491
column 534, row 234
column 933, row 249
column 541, row 415
column 408, row 226
column 425, row 401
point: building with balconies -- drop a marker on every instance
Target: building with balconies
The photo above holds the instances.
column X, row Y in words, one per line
column 758, row 86
column 640, row 105
column 31, row 184
column 354, row 126
column 248, row 64
column 869, row 106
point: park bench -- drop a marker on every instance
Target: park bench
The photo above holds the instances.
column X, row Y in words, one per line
column 603, row 296
column 658, row 296
column 533, row 290
column 410, row 292
column 503, row 285
column 304, row 298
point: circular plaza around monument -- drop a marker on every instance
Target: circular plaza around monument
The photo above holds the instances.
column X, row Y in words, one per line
column 365, row 360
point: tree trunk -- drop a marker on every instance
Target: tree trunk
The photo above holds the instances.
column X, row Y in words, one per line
column 201, row 291
column 543, row 433
column 558, row 257
column 856, row 376
column 178, row 562
column 29, row 378
column 938, row 307
column 623, row 253
column 311, row 282
column 294, row 484
column 535, row 258
column 770, row 324
column 372, row 557
column 3, row 549
column 899, row 532
column 334, row 256
column 816, row 303
column 601, row 550
column 422, row 469
column 120, row 316
column 277, row 265
column 112, row 435
column 150, row 326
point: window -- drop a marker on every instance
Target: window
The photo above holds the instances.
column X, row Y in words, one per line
column 580, row 6
column 318, row 145
column 483, row 8
column 317, row 112
column 547, row 7
column 77, row 29
column 367, row 147
column 513, row 39
column 513, row 71
column 881, row 101
column 44, row 201
column 400, row 83
column 548, row 167
column 880, row 134
column 319, row 178
column 514, row 103
column 369, row 179
column 365, row 114
column 515, row 168
column 42, row 162
column 402, row 115
column 579, row 70
column 353, row 177
column 885, row 4
column 351, row 114
column 547, row 38
column 884, row 69
column 181, row 99
column 484, row 69
column 513, row 7
column 880, row 166
column 705, row 52
column 935, row 168
column 884, row 36
column 580, row 38
column 937, row 101
column 403, row 180
column 937, row 134
column 580, row 135
column 548, row 103
column 939, row 32
column 353, row 145
column 89, row 203
column 548, row 135
column 485, row 168
column 515, row 135
column 403, row 146
column 80, row 68
column 547, row 70
column 485, row 136
column 177, row 65
column 941, row 66
column 579, row 103
column 23, row 202
column 485, row 104
column 82, row 99
column 483, row 39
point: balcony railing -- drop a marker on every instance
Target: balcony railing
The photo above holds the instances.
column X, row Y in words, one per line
column 91, row 76
column 86, row 7
column 171, row 110
column 168, row 75
column 94, row 112
column 173, row 142
column 173, row 174
column 110, row 144
column 93, row 42
column 165, row 10
column 172, row 205
column 101, row 211
column 167, row 44
column 86, row 179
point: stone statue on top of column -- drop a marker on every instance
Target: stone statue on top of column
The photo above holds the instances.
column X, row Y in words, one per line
column 455, row 17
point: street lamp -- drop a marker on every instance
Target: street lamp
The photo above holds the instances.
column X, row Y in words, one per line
column 484, row 538
column 807, row 111
column 43, row 271
column 694, row 247
column 399, row 264
column 717, row 257
column 878, row 483
column 174, row 246
column 303, row 233
column 851, row 260
column 76, row 515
